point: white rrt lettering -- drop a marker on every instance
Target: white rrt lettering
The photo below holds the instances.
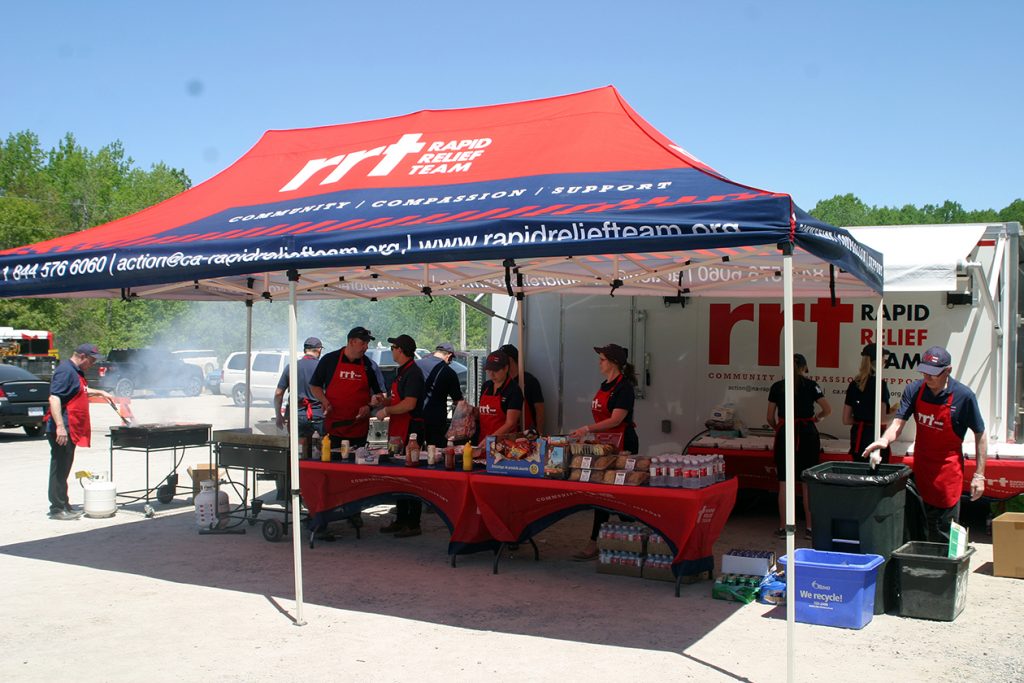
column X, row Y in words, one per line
column 409, row 143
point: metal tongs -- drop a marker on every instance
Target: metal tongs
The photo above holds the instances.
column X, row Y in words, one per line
column 124, row 420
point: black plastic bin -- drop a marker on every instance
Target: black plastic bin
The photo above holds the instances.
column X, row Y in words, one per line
column 856, row 509
column 931, row 585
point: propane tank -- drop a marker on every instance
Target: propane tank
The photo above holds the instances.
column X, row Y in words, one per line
column 207, row 515
column 99, row 495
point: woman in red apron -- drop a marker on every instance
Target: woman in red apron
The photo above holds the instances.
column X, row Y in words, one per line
column 68, row 425
column 859, row 408
column 612, row 411
column 501, row 400
column 807, row 395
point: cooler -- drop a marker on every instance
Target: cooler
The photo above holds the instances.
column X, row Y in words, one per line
column 856, row 509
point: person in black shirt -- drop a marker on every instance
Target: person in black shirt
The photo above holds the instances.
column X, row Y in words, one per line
column 440, row 384
column 533, row 396
column 859, row 408
column 311, row 413
column 806, row 395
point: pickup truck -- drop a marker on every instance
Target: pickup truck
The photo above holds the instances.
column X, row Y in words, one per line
column 125, row 371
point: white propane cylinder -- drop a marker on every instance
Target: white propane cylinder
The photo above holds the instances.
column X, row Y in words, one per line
column 99, row 497
column 208, row 516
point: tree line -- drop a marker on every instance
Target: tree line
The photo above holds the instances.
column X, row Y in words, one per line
column 48, row 193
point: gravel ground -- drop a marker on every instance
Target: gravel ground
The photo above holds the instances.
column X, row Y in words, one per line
column 129, row 598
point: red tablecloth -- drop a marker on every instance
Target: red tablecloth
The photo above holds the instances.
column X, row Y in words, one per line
column 327, row 485
column 755, row 469
column 515, row 509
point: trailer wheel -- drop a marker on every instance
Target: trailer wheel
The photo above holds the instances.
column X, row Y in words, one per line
column 165, row 494
column 273, row 530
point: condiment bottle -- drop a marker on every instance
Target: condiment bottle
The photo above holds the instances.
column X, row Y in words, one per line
column 412, row 452
column 449, row 455
column 467, row 458
column 325, row 448
column 344, row 449
column 431, row 455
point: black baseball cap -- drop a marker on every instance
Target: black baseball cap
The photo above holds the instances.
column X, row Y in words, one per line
column 511, row 351
column 869, row 351
column 934, row 361
column 312, row 343
column 496, row 361
column 447, row 347
column 613, row 352
column 360, row 333
column 404, row 342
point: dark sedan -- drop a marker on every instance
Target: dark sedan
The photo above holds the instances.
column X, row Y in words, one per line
column 23, row 400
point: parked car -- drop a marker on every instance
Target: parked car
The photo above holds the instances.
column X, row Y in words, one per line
column 201, row 358
column 23, row 400
column 126, row 371
column 267, row 366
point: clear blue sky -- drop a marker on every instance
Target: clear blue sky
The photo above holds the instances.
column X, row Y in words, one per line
column 897, row 102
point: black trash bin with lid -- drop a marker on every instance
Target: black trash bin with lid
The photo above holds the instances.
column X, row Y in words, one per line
column 857, row 509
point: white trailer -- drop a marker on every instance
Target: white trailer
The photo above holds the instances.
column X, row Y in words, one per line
column 951, row 285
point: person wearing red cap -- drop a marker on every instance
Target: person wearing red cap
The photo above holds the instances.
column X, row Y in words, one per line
column 859, row 408
column 501, row 400
column 612, row 410
column 943, row 409
column 68, row 424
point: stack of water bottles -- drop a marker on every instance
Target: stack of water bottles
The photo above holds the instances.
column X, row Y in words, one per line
column 687, row 471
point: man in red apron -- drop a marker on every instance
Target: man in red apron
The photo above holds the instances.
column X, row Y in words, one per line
column 533, row 396
column 68, row 425
column 404, row 419
column 943, row 410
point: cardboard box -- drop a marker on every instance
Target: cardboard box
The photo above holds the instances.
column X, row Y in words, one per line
column 516, row 455
column 635, row 569
column 658, row 547
column 1008, row 545
column 202, row 472
column 742, row 562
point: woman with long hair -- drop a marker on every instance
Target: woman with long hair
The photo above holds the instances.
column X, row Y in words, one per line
column 807, row 398
column 612, row 410
column 859, row 410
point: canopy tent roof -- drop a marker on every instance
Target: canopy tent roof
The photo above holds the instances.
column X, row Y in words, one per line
column 570, row 193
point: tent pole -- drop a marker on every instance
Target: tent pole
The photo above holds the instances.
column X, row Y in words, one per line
column 880, row 413
column 248, row 357
column 293, row 442
column 790, row 440
column 522, row 357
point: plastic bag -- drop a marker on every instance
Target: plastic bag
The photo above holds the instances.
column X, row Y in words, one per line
column 463, row 422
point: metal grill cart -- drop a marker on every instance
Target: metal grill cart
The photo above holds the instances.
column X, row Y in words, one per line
column 172, row 438
column 264, row 456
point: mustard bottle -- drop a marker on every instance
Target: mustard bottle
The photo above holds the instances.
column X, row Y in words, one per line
column 325, row 448
column 467, row 458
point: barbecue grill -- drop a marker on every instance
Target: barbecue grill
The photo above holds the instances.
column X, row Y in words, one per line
column 171, row 437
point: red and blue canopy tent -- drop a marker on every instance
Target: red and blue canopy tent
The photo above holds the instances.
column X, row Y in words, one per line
column 565, row 194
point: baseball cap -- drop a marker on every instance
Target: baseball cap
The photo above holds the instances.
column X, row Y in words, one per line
column 613, row 352
column 447, row 347
column 90, row 350
column 934, row 361
column 360, row 333
column 404, row 342
column 496, row 361
column 312, row 343
column 869, row 350
column 510, row 351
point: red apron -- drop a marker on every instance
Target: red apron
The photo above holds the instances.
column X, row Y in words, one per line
column 600, row 410
column 779, row 434
column 492, row 415
column 398, row 425
column 348, row 391
column 861, row 430
column 938, row 454
column 79, row 424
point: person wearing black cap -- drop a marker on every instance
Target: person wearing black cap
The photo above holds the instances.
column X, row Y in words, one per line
column 612, row 410
column 348, row 385
column 404, row 419
column 944, row 409
column 501, row 400
column 807, row 398
column 311, row 412
column 440, row 384
column 68, row 424
column 533, row 396
column 859, row 408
